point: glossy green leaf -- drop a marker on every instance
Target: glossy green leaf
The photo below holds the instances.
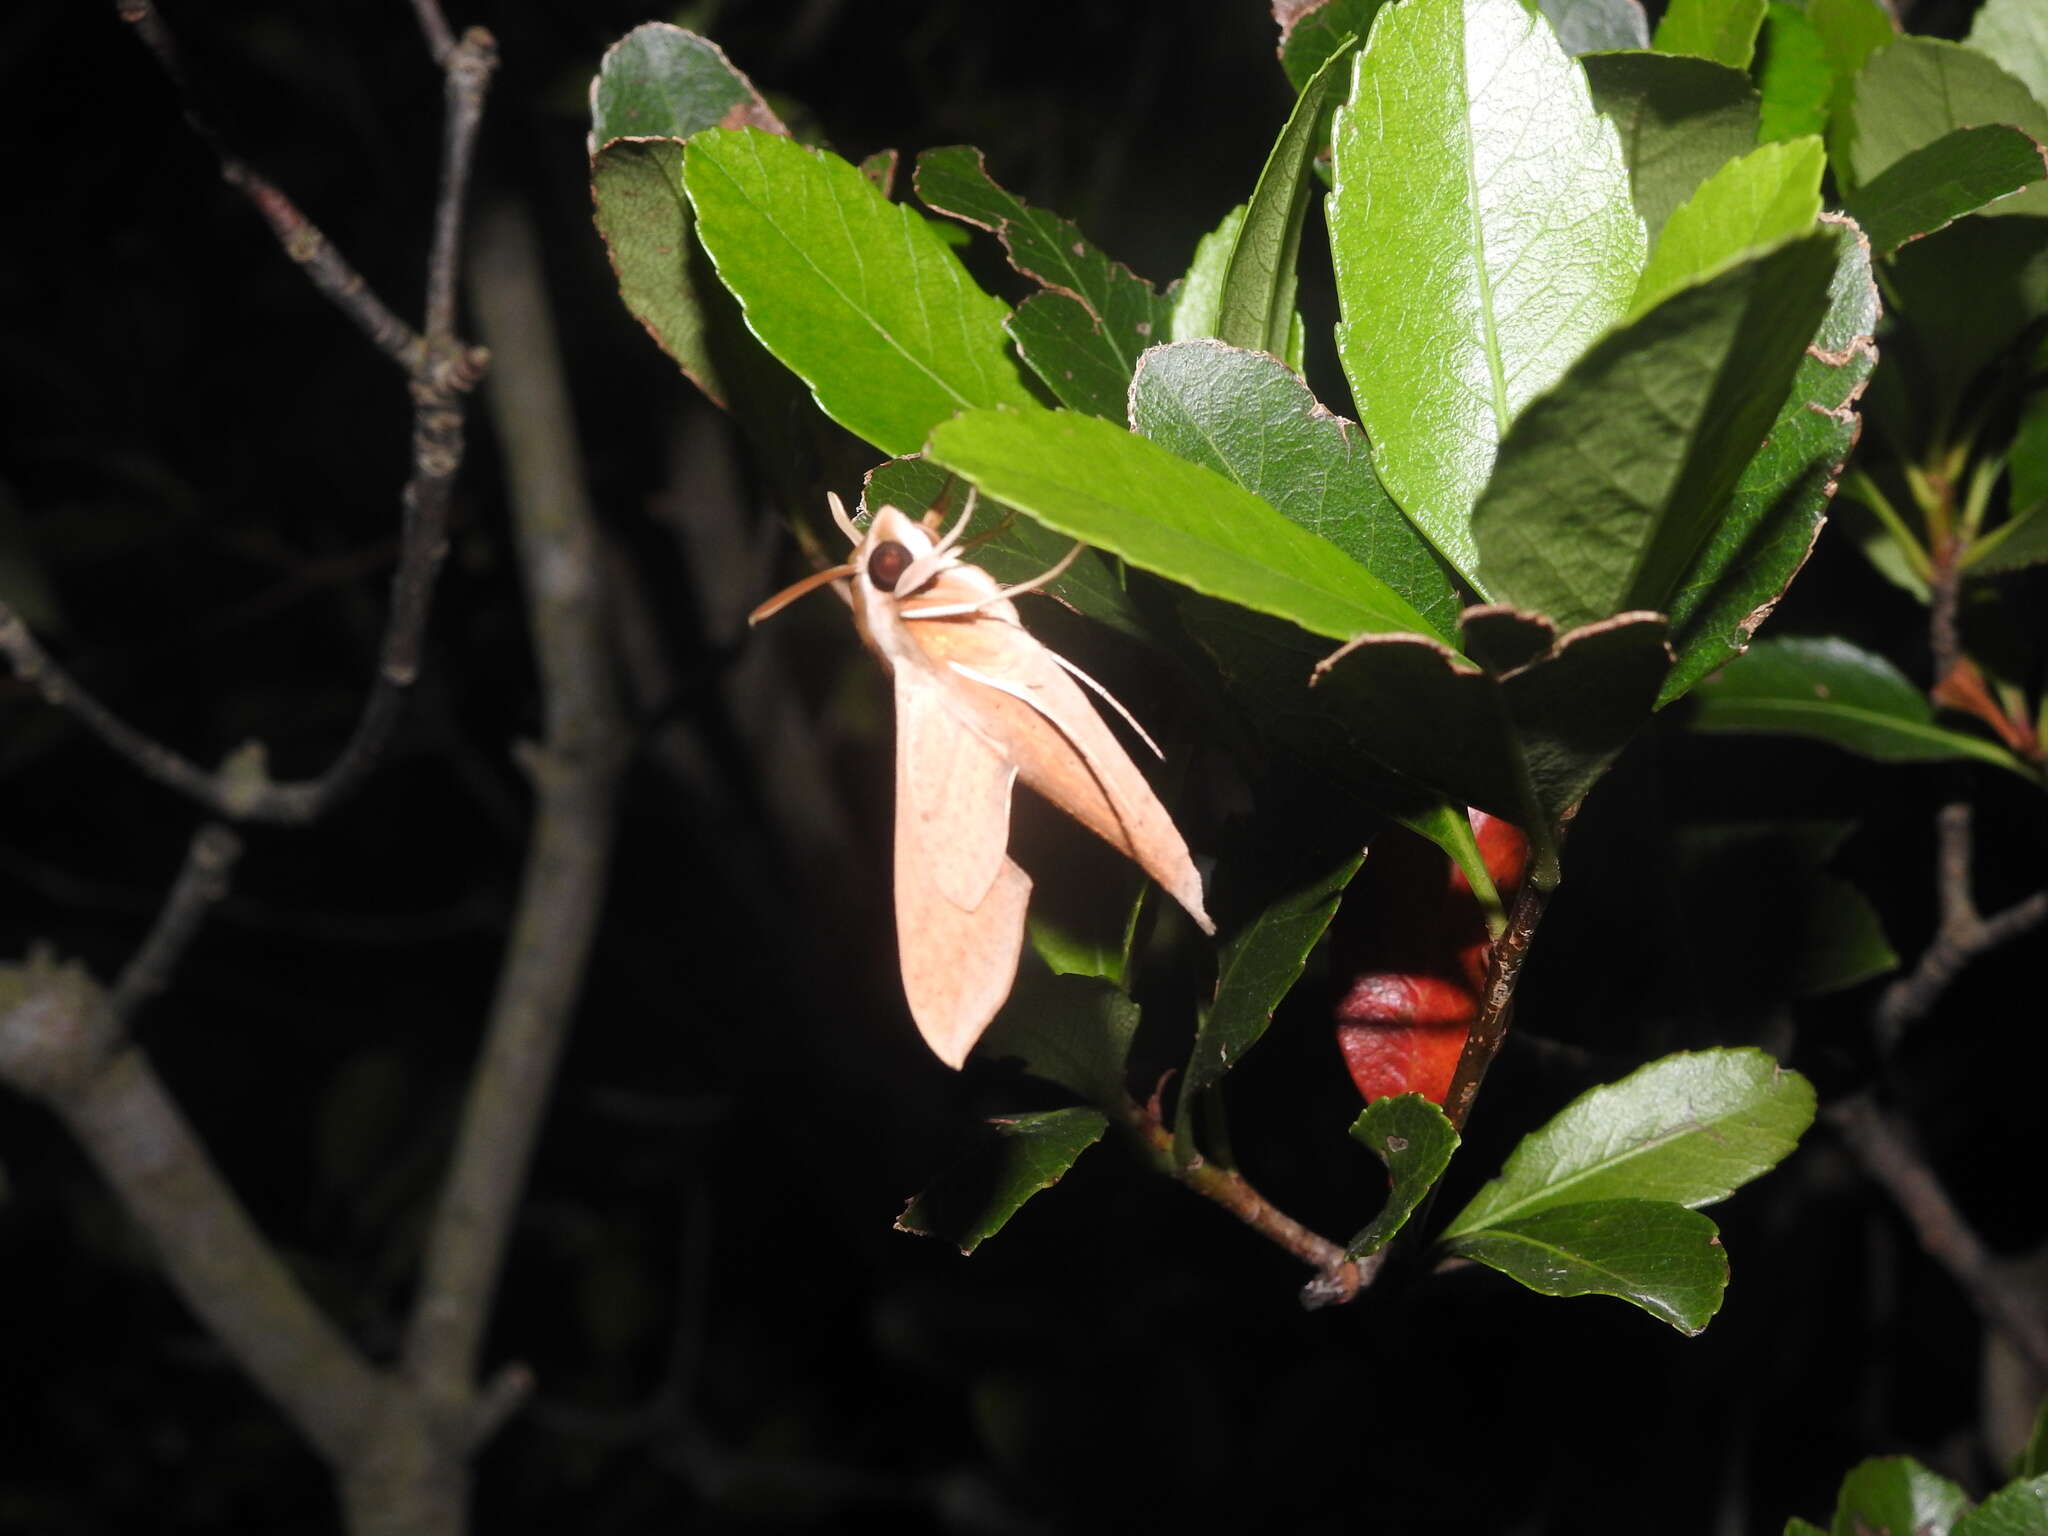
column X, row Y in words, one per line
column 662, row 82
column 1921, row 89
column 1411, row 1136
column 1963, row 327
column 1075, row 1031
column 1938, row 183
column 857, row 295
column 1691, row 1129
column 1660, row 1257
column 1850, row 31
column 1311, row 31
column 1896, row 1496
column 2014, row 35
column 1721, row 30
column 1093, row 941
column 1198, row 296
column 1124, row 494
column 1770, row 525
column 1254, row 422
column 2018, row 1509
column 1082, row 335
column 1283, row 902
column 1795, row 79
column 1482, row 234
column 1610, row 486
column 1022, row 1155
column 1012, row 547
column 1832, row 691
column 1592, row 26
column 1680, row 119
column 1255, row 307
column 1768, row 196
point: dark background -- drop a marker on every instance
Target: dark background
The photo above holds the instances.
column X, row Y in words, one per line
column 199, row 467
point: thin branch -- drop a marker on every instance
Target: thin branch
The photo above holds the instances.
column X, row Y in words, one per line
column 198, row 889
column 1885, row 1150
column 434, row 27
column 1503, row 971
column 576, row 773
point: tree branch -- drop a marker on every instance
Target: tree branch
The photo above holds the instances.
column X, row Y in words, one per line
column 1489, row 1031
column 575, row 772
column 209, row 864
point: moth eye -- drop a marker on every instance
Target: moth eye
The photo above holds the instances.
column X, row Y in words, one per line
column 886, row 564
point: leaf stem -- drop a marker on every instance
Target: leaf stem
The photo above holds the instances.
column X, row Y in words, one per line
column 1859, row 486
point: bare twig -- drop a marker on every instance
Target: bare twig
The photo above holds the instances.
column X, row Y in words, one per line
column 1503, row 971
column 434, row 27
column 1885, row 1150
column 575, row 773
column 199, row 887
column 441, row 370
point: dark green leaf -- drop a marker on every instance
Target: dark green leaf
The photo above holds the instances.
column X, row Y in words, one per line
column 880, row 169
column 1255, row 307
column 1767, row 196
column 1610, row 486
column 1896, row 1496
column 661, row 82
column 1411, row 1136
column 1680, row 120
column 1254, row 422
column 1661, row 1257
column 854, row 293
column 1721, row 30
column 2018, row 1509
column 1122, row 493
column 2026, row 461
column 2014, row 34
column 1938, row 183
column 1690, row 1129
column 1083, row 334
column 1850, row 31
column 1285, row 903
column 1312, row 30
column 1921, row 89
column 1829, row 690
column 1014, row 548
column 1962, row 327
column 1071, row 1030
column 1795, row 80
column 2034, row 1460
column 1591, row 26
column 1482, row 235
column 1798, row 1527
column 1765, row 535
column 974, row 1200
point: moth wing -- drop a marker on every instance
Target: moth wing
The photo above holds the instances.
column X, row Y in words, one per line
column 1051, row 732
column 959, row 899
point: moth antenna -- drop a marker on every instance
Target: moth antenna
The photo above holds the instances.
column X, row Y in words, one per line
column 953, row 535
column 1108, row 698
column 1043, row 577
column 795, row 590
column 839, row 516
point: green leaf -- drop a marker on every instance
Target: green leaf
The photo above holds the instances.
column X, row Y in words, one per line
column 1071, row 1030
column 1199, row 293
column 857, row 295
column 1962, row 327
column 2018, row 1509
column 1680, row 120
column 1829, row 690
column 1769, row 195
column 1782, row 498
column 1013, row 548
column 1590, row 26
column 1084, row 333
column 974, row 1200
column 1660, row 1257
column 1721, row 30
column 1482, row 235
column 1920, row 89
column 1691, row 1129
column 1256, row 306
column 2026, row 460
column 1896, row 1496
column 1798, row 1527
column 2034, row 1460
column 1124, row 494
column 1411, row 1136
column 1254, row 422
column 1610, row 486
column 1313, row 31
column 2014, row 35
column 1287, row 901
column 661, row 82
column 1795, row 80
column 2020, row 541
column 1938, row 183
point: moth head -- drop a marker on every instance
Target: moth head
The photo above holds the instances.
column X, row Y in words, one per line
column 898, row 555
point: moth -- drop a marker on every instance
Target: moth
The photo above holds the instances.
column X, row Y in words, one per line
column 979, row 704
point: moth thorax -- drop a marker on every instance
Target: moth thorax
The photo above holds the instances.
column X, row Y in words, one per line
column 886, row 564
